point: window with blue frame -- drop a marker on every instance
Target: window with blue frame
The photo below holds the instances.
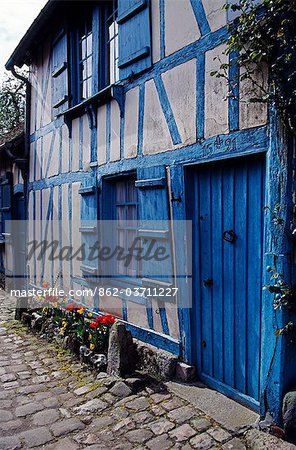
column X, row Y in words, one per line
column 94, row 49
column 85, row 62
column 126, row 216
column 120, row 205
column 113, row 54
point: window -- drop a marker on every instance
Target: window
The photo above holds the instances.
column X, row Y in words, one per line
column 94, row 49
column 126, row 215
column 85, row 48
column 113, row 44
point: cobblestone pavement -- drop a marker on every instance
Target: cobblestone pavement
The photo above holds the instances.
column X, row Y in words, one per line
column 49, row 400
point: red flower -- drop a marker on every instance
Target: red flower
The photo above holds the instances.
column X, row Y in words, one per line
column 45, row 284
column 72, row 307
column 106, row 320
column 94, row 325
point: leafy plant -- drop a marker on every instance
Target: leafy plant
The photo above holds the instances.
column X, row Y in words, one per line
column 12, row 104
column 261, row 36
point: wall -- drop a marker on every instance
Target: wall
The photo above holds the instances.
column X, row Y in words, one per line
column 172, row 114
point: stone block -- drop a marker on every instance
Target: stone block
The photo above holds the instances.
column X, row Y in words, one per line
column 156, row 362
column 289, row 416
column 185, row 372
column 122, row 356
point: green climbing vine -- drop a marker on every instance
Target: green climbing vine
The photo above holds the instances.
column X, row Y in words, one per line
column 264, row 35
column 284, row 294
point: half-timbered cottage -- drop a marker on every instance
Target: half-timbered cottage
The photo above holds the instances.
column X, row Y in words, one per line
column 127, row 121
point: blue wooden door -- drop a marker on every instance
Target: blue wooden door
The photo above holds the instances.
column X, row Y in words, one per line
column 228, row 237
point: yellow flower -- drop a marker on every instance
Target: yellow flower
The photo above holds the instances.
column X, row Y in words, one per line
column 90, row 337
column 55, row 305
column 64, row 323
column 89, row 314
column 80, row 311
column 92, row 346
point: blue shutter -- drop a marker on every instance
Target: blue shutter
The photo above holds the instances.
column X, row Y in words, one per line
column 60, row 73
column 89, row 228
column 6, row 198
column 155, row 224
column 134, row 35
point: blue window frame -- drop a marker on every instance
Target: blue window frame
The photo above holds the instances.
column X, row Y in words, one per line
column 126, row 216
column 94, row 49
column 120, row 204
column 113, row 54
column 85, row 62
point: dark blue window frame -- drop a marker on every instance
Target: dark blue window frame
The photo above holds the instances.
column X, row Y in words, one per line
column 121, row 204
column 95, row 20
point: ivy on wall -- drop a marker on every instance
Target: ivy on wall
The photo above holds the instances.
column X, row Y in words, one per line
column 261, row 36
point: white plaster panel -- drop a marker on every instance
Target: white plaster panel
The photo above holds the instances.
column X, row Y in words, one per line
column 38, row 230
column 75, row 145
column 65, row 234
column 31, row 161
column 86, row 142
column 45, row 151
column 181, row 27
column 55, row 156
column 14, row 174
column 56, row 232
column 39, row 93
column 115, row 131
column 156, row 135
column 45, row 233
column 180, row 85
column 65, row 149
column 101, row 135
column 111, row 305
column 33, row 81
column 253, row 114
column 173, row 321
column 131, row 123
column 137, row 314
column 76, row 237
column 47, row 92
column 38, row 164
column 30, row 225
column 155, row 26
column 216, row 14
column 157, row 325
column 216, row 90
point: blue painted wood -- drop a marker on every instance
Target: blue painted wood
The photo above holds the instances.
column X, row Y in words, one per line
column 200, row 95
column 134, row 37
column 89, row 228
column 227, row 311
column 60, row 74
column 241, row 287
column 108, row 131
column 217, row 289
column 49, row 161
column 141, row 118
column 161, row 341
column 233, row 102
column 183, row 251
column 200, row 16
column 167, row 111
column 254, row 277
column 154, row 216
column 164, row 320
column 162, row 29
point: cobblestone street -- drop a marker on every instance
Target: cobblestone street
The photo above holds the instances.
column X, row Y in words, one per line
column 50, row 401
